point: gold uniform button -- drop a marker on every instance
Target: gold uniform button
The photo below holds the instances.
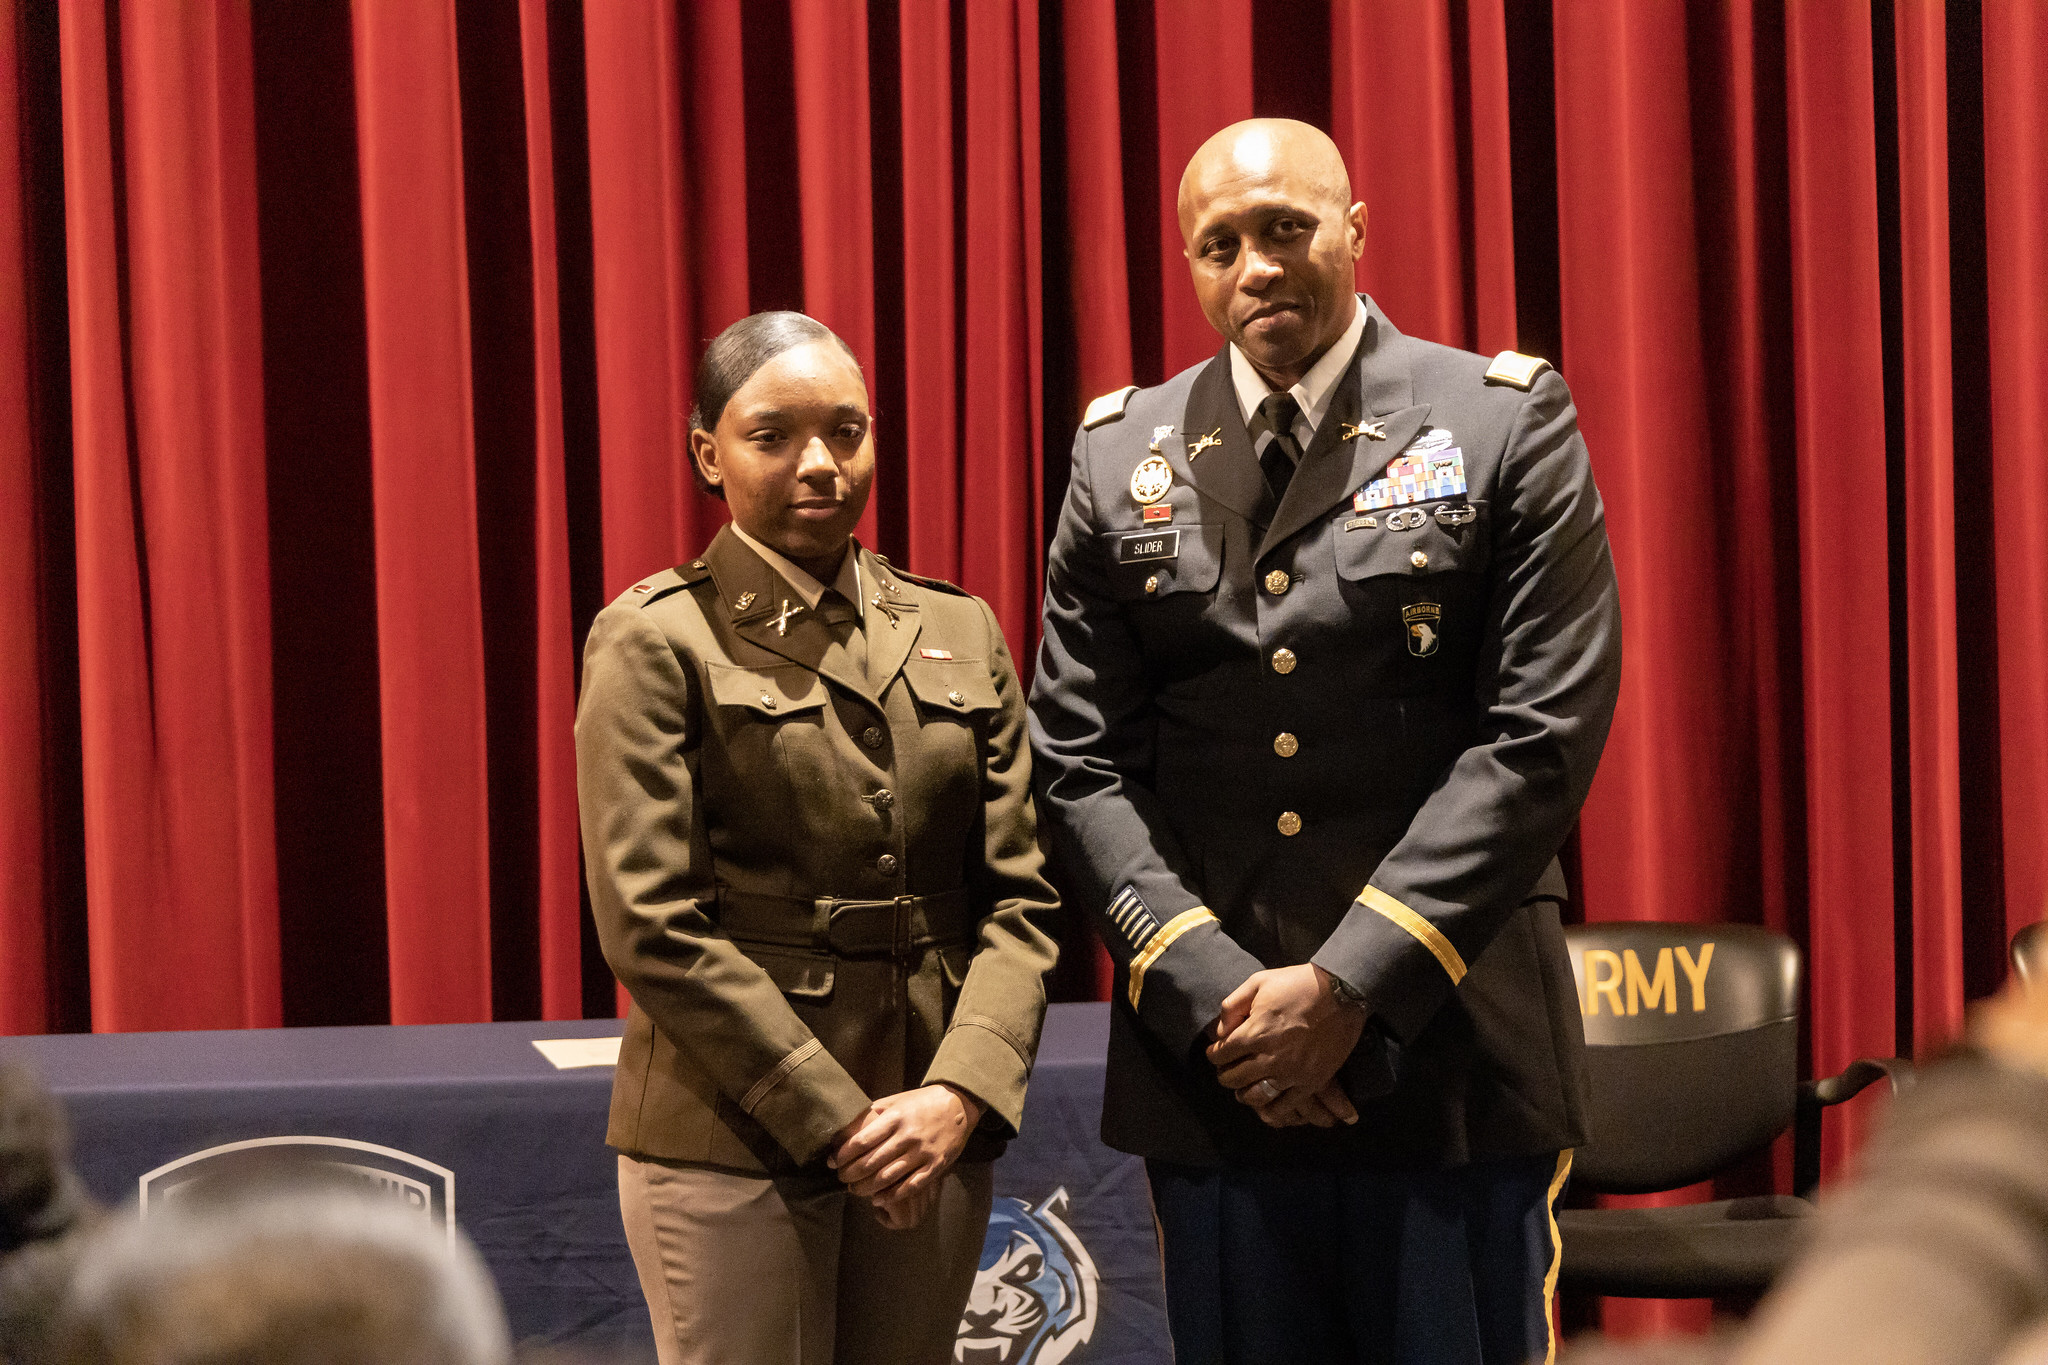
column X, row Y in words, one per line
column 1152, row 583
column 767, row 702
column 872, row 737
column 1290, row 823
column 883, row 799
column 1286, row 745
column 1283, row 661
column 1420, row 559
column 886, row 864
column 957, row 698
column 1278, row 582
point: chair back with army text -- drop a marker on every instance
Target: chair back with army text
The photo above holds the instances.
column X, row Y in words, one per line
column 1692, row 1047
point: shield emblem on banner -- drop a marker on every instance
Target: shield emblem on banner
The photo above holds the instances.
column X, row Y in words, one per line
column 380, row 1173
column 1423, row 620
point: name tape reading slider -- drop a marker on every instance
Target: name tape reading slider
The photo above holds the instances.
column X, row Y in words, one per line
column 1146, row 545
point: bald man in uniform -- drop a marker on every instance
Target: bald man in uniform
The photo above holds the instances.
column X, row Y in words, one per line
column 1331, row 647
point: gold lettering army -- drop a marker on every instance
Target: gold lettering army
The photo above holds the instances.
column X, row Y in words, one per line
column 1645, row 990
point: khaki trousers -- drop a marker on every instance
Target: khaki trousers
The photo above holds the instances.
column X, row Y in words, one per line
column 757, row 1270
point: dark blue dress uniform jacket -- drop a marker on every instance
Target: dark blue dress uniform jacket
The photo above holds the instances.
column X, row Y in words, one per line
column 1424, row 707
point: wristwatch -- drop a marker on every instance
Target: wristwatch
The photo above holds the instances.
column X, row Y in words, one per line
column 1342, row 989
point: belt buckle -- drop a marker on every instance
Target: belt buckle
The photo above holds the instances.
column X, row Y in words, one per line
column 900, row 934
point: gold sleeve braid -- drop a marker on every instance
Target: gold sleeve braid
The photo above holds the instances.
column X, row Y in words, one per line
column 1161, row 941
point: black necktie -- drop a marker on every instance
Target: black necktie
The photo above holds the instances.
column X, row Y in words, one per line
column 1281, row 454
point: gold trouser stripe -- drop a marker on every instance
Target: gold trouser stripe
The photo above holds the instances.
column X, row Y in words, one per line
column 1161, row 941
column 1425, row 933
column 1564, row 1170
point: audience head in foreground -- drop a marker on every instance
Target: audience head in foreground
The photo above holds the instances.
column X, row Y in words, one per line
column 309, row 1278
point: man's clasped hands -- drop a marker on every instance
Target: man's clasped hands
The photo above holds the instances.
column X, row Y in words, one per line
column 1279, row 1043
column 1281, row 1038
column 893, row 1155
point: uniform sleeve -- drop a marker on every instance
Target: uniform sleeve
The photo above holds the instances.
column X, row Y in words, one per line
column 993, row 1037
column 1094, row 732
column 649, row 863
column 1548, row 674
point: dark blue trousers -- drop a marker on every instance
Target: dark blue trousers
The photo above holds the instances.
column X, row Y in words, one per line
column 1314, row 1267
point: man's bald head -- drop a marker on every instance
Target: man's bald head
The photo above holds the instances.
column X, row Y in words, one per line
column 1259, row 149
column 1272, row 242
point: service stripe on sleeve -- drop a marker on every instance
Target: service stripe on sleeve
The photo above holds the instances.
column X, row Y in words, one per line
column 1427, row 934
column 1161, row 941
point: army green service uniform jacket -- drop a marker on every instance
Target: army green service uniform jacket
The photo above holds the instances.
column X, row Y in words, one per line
column 818, row 887
column 1321, row 731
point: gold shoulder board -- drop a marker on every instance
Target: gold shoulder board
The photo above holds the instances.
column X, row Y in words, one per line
column 1512, row 367
column 1107, row 408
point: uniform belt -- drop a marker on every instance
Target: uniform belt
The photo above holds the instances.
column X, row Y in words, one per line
column 900, row 927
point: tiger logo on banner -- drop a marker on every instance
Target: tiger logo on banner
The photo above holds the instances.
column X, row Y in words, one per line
column 1037, row 1292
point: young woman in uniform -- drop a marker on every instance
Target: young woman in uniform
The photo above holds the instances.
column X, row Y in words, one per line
column 806, row 811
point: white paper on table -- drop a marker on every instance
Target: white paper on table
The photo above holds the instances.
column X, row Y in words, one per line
column 568, row 1052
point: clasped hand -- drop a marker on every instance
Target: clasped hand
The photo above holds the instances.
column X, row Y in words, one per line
column 1279, row 1042
column 893, row 1155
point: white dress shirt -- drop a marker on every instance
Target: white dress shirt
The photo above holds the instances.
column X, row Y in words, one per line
column 1316, row 388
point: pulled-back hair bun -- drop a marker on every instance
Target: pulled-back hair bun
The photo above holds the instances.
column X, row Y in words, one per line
column 733, row 356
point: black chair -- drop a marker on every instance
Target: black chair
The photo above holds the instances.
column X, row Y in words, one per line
column 2030, row 955
column 1692, row 1035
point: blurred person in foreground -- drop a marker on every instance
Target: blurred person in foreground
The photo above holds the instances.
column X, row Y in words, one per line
column 1935, row 1250
column 44, row 1213
column 280, row 1279
column 806, row 805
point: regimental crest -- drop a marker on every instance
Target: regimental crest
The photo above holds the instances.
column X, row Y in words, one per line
column 380, row 1173
column 1423, row 620
column 1037, row 1292
column 1151, row 479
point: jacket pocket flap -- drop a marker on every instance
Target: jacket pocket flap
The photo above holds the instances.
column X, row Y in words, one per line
column 958, row 685
column 1168, row 559
column 1452, row 542
column 801, row 975
column 772, row 690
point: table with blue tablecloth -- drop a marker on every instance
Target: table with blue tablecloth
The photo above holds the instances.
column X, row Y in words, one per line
column 472, row 1122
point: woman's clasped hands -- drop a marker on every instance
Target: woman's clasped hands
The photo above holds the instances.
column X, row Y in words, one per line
column 894, row 1154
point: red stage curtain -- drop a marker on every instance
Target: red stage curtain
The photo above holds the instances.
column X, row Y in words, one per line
column 349, row 375
column 23, row 816
column 2013, row 480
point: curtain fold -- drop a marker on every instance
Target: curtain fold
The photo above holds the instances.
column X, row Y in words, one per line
column 1925, row 428
column 2016, row 248
column 23, row 807
column 354, row 378
column 1839, row 422
column 423, row 463
column 167, row 464
column 558, row 869
column 1201, row 79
